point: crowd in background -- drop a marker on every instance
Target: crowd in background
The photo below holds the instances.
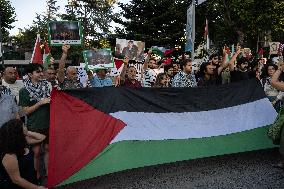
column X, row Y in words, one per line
column 26, row 101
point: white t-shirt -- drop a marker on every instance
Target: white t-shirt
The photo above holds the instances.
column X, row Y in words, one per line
column 150, row 76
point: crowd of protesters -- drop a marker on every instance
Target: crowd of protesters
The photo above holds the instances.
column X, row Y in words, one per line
column 26, row 102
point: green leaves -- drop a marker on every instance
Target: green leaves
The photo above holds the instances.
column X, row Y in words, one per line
column 7, row 16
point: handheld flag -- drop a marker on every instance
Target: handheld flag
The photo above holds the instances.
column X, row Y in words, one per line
column 37, row 56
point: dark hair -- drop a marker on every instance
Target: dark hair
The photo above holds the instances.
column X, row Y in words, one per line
column 128, row 67
column 132, row 62
column 12, row 138
column 101, row 69
column 213, row 55
column 167, row 67
column 266, row 69
column 159, row 79
column 33, row 67
column 202, row 68
column 242, row 61
column 184, row 62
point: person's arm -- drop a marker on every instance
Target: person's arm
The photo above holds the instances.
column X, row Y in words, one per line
column 275, row 79
column 278, row 98
column 10, row 164
column 62, row 62
column 15, row 109
column 123, row 72
column 231, row 63
column 145, row 65
column 224, row 63
column 24, row 102
column 33, row 137
column 30, row 109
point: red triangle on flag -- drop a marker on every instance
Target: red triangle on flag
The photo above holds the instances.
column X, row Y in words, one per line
column 118, row 63
column 78, row 133
column 37, row 56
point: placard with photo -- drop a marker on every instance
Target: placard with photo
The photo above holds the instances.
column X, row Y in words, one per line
column 134, row 50
column 65, row 32
column 98, row 59
column 274, row 47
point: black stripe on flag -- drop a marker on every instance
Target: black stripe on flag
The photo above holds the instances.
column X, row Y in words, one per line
column 162, row 100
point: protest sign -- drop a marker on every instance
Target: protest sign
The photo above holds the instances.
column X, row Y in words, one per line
column 65, row 32
column 246, row 52
column 82, row 74
column 98, row 59
column 134, row 50
column 274, row 46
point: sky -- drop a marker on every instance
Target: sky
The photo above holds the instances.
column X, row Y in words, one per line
column 26, row 11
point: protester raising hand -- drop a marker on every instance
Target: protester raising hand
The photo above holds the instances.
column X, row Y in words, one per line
column 234, row 58
column 239, row 49
column 65, row 49
column 123, row 72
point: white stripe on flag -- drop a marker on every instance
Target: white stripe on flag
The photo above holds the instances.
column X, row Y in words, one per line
column 163, row 126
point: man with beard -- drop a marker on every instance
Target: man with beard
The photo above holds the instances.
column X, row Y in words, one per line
column 240, row 72
column 223, row 64
column 207, row 76
column 50, row 76
column 169, row 70
column 128, row 75
column 10, row 81
column 71, row 80
column 150, row 71
column 185, row 78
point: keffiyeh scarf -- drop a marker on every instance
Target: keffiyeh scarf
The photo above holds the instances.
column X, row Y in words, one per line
column 39, row 91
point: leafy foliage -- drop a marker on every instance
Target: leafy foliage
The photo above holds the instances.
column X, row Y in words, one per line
column 7, row 16
column 230, row 21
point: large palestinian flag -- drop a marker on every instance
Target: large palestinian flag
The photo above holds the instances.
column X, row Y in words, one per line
column 97, row 131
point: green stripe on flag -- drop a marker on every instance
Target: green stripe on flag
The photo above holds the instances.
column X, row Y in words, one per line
column 133, row 154
column 47, row 61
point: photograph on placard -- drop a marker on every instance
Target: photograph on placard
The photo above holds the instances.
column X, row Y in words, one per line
column 98, row 59
column 65, row 32
column 134, row 50
column 274, row 47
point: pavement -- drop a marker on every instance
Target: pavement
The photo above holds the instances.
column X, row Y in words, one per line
column 249, row 170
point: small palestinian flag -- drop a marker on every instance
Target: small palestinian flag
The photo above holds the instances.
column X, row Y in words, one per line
column 37, row 56
column 98, row 131
column 158, row 52
column 46, row 56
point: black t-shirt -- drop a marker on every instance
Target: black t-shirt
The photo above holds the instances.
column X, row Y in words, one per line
column 218, row 77
column 237, row 76
column 26, row 168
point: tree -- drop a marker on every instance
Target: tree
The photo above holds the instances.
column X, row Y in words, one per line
column 230, row 21
column 233, row 21
column 155, row 22
column 7, row 16
column 52, row 9
column 95, row 15
column 25, row 39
